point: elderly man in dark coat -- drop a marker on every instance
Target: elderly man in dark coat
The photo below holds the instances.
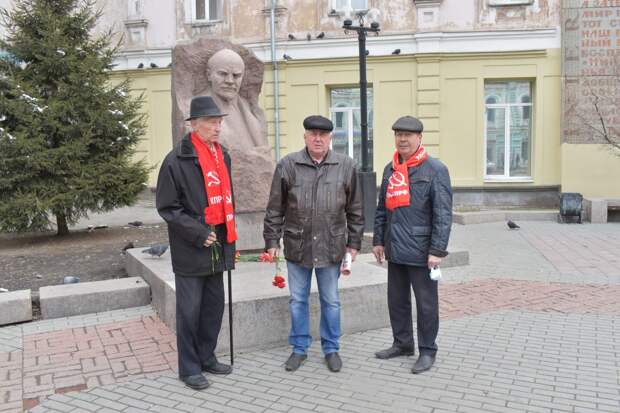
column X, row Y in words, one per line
column 195, row 198
column 412, row 228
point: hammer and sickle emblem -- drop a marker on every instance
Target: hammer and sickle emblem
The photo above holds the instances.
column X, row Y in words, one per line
column 213, row 178
column 397, row 180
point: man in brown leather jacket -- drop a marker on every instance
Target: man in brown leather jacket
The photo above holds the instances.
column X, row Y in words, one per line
column 315, row 201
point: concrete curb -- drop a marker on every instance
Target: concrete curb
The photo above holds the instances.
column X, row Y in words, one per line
column 15, row 307
column 93, row 297
column 481, row 217
column 260, row 311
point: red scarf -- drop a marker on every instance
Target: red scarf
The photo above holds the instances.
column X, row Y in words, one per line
column 219, row 208
column 397, row 194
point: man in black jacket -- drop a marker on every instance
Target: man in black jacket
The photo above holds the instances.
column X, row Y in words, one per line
column 194, row 197
column 412, row 228
column 315, row 205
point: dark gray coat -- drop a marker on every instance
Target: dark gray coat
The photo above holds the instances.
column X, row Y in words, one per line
column 410, row 234
column 181, row 201
column 317, row 207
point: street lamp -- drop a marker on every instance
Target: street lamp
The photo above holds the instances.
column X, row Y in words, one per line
column 367, row 177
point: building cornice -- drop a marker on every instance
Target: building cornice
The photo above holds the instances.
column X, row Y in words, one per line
column 418, row 43
column 465, row 42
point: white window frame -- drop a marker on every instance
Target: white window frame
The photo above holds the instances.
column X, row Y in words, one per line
column 334, row 4
column 506, row 176
column 190, row 12
column 348, row 110
column 499, row 3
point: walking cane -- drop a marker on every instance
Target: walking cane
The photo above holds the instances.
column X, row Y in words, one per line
column 230, row 317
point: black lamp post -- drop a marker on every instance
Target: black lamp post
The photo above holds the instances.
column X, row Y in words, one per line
column 367, row 177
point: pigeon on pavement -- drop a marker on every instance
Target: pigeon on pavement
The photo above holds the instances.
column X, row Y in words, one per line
column 512, row 225
column 135, row 223
column 156, row 250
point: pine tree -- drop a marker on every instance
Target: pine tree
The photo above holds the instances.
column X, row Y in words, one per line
column 67, row 134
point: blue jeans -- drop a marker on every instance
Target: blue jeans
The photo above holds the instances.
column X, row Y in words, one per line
column 299, row 279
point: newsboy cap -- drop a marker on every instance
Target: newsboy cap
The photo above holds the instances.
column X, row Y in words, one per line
column 203, row 106
column 409, row 124
column 318, row 122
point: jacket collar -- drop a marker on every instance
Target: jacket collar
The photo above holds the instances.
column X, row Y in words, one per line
column 185, row 148
column 303, row 157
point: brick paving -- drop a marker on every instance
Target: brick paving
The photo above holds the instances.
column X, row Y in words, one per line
column 539, row 251
column 84, row 357
column 531, row 325
column 476, row 297
column 506, row 361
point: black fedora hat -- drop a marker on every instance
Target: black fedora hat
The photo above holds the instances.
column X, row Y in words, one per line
column 203, row 106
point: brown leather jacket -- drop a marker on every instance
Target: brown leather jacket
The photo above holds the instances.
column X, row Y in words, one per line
column 317, row 206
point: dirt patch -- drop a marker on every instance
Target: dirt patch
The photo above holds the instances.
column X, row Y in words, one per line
column 39, row 260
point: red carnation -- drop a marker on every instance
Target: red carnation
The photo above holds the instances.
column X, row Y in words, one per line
column 279, row 281
column 265, row 257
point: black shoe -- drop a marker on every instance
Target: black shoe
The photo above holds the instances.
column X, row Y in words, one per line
column 424, row 362
column 196, row 382
column 333, row 362
column 392, row 352
column 215, row 367
column 294, row 361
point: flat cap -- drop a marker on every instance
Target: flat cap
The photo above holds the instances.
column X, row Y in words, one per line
column 409, row 124
column 318, row 122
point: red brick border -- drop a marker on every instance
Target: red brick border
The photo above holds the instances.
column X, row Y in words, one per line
column 476, row 297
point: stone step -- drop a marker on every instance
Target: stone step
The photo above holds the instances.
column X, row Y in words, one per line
column 260, row 310
column 15, row 307
column 93, row 297
column 481, row 217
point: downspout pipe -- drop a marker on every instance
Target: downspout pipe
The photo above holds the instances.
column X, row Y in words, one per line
column 276, row 82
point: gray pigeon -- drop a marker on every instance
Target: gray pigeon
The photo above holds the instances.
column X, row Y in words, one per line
column 156, row 250
column 71, row 279
column 512, row 225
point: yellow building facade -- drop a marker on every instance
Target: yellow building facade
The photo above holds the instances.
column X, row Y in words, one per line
column 446, row 91
column 486, row 78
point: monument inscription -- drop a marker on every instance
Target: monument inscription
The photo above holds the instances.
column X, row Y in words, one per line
column 591, row 65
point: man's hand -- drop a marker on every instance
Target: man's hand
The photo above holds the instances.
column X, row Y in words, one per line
column 433, row 261
column 273, row 252
column 379, row 252
column 353, row 253
column 210, row 239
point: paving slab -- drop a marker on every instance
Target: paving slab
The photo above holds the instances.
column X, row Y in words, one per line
column 518, row 361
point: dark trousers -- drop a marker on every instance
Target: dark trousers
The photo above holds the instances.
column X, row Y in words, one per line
column 400, row 277
column 200, row 308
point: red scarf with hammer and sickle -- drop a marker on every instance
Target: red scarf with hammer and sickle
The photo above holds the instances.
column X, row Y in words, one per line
column 219, row 208
column 398, row 194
